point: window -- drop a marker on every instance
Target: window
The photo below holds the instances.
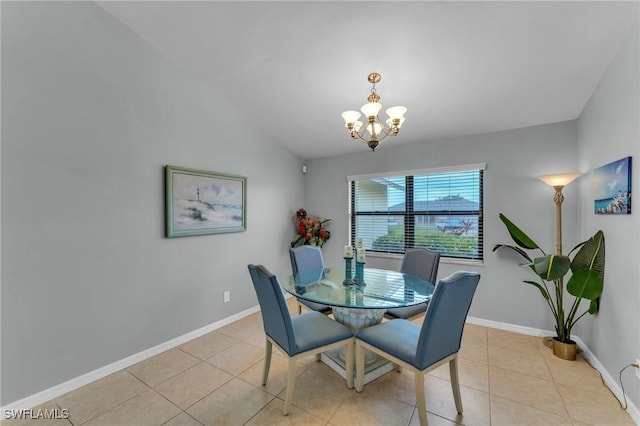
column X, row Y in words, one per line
column 439, row 209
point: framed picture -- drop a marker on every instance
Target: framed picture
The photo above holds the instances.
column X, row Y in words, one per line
column 199, row 202
column 612, row 188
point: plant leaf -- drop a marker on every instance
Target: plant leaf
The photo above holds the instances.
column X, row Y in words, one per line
column 514, row 248
column 543, row 290
column 518, row 236
column 591, row 255
column 551, row 267
column 594, row 306
column 585, row 284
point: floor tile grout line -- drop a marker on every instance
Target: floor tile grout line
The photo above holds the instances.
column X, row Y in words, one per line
column 489, row 377
column 546, row 360
column 205, row 396
column 196, row 356
column 260, row 410
column 121, row 402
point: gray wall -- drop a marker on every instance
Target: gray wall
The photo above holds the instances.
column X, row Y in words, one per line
column 608, row 130
column 514, row 159
column 90, row 115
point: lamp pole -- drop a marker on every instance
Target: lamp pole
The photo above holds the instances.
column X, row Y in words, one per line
column 558, row 198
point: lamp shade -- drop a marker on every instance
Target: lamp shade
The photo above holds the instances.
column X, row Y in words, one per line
column 396, row 112
column 377, row 127
column 350, row 116
column 559, row 179
column 371, row 109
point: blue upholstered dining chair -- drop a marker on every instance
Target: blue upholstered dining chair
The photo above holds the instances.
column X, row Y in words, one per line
column 421, row 349
column 421, row 263
column 308, row 334
column 306, row 258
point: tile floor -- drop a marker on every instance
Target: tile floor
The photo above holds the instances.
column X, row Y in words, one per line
column 506, row 378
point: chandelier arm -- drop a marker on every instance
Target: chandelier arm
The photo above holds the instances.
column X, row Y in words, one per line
column 384, row 134
column 384, row 129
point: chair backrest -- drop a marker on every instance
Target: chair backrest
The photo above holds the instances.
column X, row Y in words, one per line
column 305, row 258
column 422, row 263
column 443, row 324
column 275, row 313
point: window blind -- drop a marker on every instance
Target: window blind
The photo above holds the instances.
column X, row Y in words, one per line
column 439, row 209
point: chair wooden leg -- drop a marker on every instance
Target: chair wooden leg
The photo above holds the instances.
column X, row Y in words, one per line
column 291, row 382
column 455, row 383
column 349, row 364
column 267, row 362
column 420, row 398
column 359, row 367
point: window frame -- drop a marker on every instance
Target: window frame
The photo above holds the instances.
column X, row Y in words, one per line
column 409, row 214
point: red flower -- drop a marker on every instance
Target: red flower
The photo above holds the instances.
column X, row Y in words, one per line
column 309, row 229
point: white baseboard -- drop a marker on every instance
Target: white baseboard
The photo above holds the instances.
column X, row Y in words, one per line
column 73, row 384
column 586, row 352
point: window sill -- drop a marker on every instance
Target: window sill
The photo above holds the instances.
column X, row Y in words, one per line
column 450, row 260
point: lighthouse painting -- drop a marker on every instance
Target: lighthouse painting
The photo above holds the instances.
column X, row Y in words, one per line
column 201, row 202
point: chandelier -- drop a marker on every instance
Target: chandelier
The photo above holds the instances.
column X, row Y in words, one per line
column 376, row 129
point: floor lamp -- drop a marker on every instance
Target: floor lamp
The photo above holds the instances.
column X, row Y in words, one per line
column 559, row 181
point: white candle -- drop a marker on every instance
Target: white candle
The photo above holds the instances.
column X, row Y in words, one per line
column 358, row 243
column 348, row 251
column 360, row 255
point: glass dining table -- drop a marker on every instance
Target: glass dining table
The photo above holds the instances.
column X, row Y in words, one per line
column 359, row 304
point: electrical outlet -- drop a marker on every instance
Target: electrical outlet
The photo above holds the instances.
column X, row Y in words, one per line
column 226, row 296
column 638, row 368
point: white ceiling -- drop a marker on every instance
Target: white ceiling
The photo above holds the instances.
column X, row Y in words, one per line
column 459, row 67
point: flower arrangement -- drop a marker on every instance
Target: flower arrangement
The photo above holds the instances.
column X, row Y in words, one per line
column 310, row 230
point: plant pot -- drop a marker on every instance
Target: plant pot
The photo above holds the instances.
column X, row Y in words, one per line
column 564, row 350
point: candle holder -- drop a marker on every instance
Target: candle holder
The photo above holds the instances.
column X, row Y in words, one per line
column 347, row 271
column 359, row 278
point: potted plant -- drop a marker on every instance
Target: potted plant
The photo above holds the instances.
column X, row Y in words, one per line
column 586, row 281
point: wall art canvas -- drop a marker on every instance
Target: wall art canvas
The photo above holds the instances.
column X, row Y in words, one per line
column 200, row 202
column 612, row 187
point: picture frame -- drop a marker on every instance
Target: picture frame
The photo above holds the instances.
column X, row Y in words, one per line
column 612, row 188
column 200, row 202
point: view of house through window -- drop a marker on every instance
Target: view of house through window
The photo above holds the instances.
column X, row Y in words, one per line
column 440, row 210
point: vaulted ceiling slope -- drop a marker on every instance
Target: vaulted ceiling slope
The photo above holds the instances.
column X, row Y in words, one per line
column 459, row 67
